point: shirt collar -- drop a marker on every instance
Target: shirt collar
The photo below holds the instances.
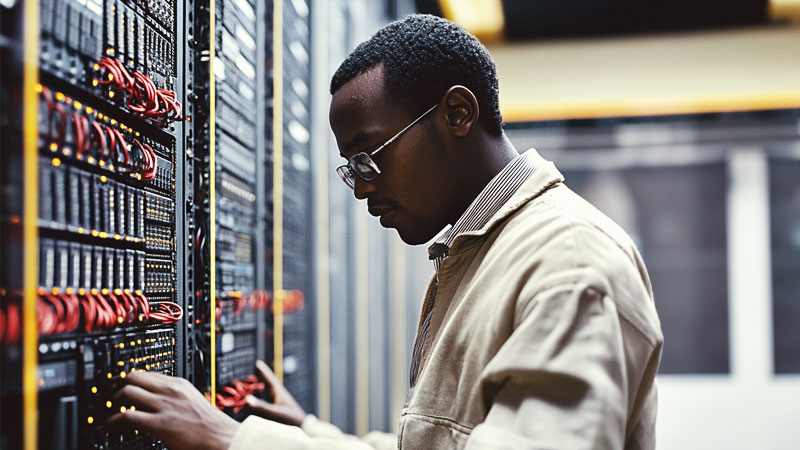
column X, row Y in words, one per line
column 496, row 193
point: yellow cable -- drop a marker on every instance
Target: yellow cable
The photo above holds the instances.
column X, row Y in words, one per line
column 277, row 185
column 30, row 103
column 212, row 220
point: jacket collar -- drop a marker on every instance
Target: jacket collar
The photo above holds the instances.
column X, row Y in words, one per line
column 545, row 176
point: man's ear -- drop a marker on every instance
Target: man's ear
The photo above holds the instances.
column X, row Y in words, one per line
column 461, row 110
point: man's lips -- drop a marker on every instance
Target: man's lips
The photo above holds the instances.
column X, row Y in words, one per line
column 380, row 209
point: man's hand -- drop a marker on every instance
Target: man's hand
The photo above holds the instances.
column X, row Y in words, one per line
column 284, row 408
column 174, row 411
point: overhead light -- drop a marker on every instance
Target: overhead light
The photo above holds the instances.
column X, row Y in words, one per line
column 483, row 18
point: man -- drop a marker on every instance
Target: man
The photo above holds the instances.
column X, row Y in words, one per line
column 538, row 329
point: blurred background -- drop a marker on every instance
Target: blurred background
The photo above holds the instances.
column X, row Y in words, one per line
column 679, row 119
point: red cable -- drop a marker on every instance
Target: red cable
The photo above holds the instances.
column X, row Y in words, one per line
column 72, row 316
column 60, row 312
column 235, row 395
column 166, row 312
column 85, row 124
column 49, row 99
column 12, row 323
column 78, row 134
column 122, row 145
column 144, row 161
column 46, row 317
column 136, row 306
column 145, row 304
column 89, row 312
column 119, row 309
column 62, row 125
column 151, row 172
column 101, row 136
column 112, row 143
column 108, row 317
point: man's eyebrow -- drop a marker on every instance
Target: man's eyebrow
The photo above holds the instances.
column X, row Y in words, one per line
column 358, row 139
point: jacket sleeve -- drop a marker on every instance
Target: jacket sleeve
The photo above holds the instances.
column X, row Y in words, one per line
column 559, row 381
column 256, row 433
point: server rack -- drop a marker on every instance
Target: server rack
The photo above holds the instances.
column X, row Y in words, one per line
column 109, row 192
column 105, row 140
column 240, row 298
column 292, row 323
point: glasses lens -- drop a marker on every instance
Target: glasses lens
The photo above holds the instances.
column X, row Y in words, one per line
column 346, row 175
column 364, row 166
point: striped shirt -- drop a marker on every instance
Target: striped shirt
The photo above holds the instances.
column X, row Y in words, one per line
column 485, row 205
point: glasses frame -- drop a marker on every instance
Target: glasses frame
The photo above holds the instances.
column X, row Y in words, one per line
column 347, row 172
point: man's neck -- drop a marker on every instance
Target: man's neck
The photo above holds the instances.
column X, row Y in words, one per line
column 495, row 153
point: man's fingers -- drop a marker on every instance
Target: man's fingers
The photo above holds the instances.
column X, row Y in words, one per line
column 260, row 406
column 142, row 398
column 265, row 373
column 136, row 419
column 266, row 409
column 151, row 381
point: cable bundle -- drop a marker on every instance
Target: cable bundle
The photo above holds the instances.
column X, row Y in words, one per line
column 57, row 312
column 95, row 139
column 292, row 301
column 234, row 395
column 259, row 299
column 166, row 312
column 139, row 92
column 61, row 312
column 149, row 167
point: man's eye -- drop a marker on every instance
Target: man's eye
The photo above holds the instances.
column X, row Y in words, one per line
column 374, row 148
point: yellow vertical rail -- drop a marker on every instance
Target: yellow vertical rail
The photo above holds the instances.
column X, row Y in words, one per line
column 30, row 130
column 277, row 185
column 212, row 220
column 320, row 51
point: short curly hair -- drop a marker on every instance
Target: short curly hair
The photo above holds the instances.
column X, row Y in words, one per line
column 423, row 56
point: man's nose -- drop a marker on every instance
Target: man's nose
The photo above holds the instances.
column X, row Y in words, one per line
column 362, row 188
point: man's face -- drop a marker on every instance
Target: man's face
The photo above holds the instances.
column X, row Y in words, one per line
column 411, row 192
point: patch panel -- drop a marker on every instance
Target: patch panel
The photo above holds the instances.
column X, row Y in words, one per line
column 159, row 209
column 158, row 238
column 160, row 278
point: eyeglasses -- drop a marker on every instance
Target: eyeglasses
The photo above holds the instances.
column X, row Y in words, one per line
column 361, row 164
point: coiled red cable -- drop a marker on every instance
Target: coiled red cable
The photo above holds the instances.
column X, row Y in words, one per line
column 140, row 94
column 234, row 395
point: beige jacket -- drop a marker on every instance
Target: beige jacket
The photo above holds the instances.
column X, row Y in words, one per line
column 544, row 335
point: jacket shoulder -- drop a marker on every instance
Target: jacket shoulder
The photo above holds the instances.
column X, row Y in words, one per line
column 559, row 238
